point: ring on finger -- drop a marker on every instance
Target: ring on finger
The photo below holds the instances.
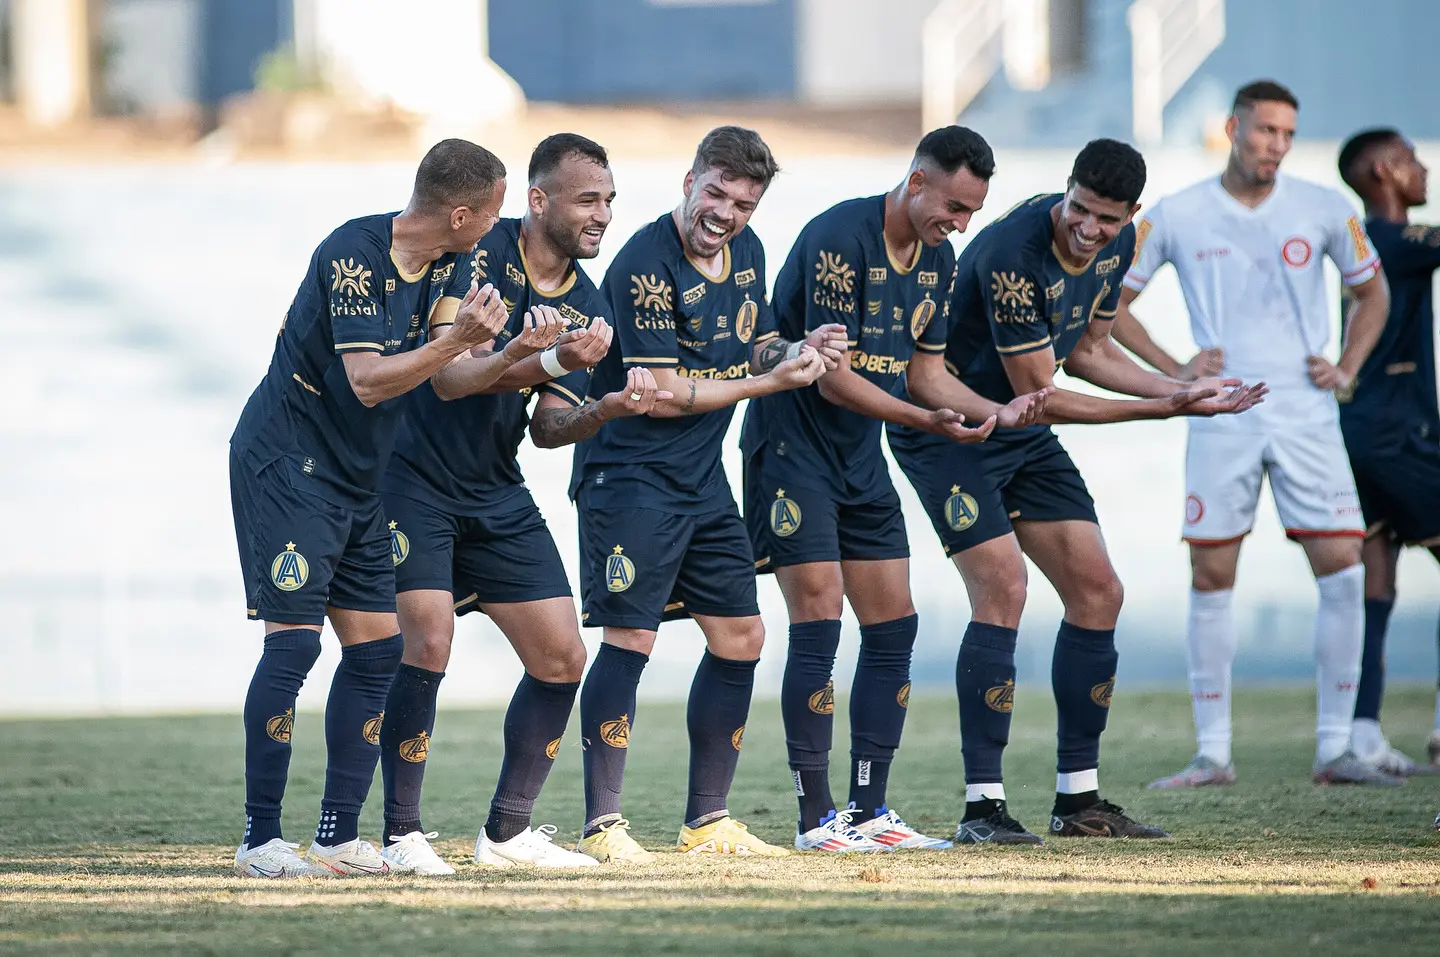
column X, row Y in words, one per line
column 636, row 397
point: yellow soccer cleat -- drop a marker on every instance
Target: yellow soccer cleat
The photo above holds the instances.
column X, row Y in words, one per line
column 612, row 844
column 726, row 836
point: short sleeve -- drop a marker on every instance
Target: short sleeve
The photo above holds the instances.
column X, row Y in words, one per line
column 582, row 305
column 835, row 271
column 1348, row 246
column 766, row 325
column 933, row 338
column 356, row 279
column 456, row 285
column 1013, row 305
column 1152, row 250
column 640, row 292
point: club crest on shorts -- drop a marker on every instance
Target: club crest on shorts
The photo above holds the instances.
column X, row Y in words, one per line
column 416, row 749
column 371, row 731
column 737, row 737
column 619, row 570
column 616, row 733
column 902, row 697
column 280, row 727
column 784, row 515
column 289, row 571
column 399, row 544
column 823, row 701
column 745, row 320
column 961, row 509
column 1194, row 509
column 552, row 750
column 921, row 317
column 1001, row 698
column 1101, row 693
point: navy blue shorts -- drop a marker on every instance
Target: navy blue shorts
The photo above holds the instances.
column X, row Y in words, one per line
column 300, row 552
column 506, row 557
column 792, row 524
column 640, row 566
column 1400, row 491
column 973, row 493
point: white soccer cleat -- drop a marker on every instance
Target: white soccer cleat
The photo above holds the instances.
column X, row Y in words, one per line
column 533, row 847
column 1371, row 746
column 274, row 859
column 836, row 836
column 412, row 854
column 1201, row 772
column 355, row 858
column 892, row 833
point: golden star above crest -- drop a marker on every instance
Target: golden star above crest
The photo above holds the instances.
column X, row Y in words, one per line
column 619, row 550
column 954, row 490
column 289, row 546
column 779, row 493
column 393, row 523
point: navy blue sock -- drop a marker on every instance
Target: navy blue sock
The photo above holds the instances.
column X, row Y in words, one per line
column 878, row 702
column 719, row 704
column 985, row 683
column 269, row 718
column 807, row 705
column 534, row 724
column 1372, row 659
column 1082, row 675
column 607, row 712
column 353, row 716
column 404, row 745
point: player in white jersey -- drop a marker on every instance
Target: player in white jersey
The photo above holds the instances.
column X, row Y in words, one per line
column 1247, row 247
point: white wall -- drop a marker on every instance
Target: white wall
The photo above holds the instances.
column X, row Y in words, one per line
column 859, row 52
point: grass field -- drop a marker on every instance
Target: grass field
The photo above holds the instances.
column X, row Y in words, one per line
column 116, row 837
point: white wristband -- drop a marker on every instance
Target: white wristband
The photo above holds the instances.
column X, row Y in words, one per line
column 550, row 362
column 794, row 350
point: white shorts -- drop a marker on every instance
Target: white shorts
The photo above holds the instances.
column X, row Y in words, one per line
column 1309, row 477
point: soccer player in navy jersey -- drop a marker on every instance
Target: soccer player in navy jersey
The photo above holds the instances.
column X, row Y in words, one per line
column 823, row 514
column 1390, row 420
column 305, row 466
column 660, row 534
column 1035, row 290
column 466, row 533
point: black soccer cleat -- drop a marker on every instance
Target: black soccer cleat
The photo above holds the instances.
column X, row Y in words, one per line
column 998, row 828
column 1101, row 819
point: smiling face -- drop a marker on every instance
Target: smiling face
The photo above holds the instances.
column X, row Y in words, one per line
column 940, row 203
column 1087, row 222
column 1261, row 135
column 715, row 209
column 572, row 205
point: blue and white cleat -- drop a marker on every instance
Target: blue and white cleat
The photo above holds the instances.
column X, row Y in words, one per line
column 891, row 832
column 836, row 836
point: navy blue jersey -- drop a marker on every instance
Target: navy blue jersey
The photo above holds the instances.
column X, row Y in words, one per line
column 1013, row 295
column 670, row 313
column 1395, row 390
column 840, row 270
column 354, row 299
column 462, row 454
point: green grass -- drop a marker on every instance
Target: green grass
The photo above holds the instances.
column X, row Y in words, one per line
column 116, row 837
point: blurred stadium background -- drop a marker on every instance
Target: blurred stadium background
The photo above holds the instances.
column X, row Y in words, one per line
column 167, row 166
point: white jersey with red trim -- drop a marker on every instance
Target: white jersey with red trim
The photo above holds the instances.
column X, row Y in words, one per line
column 1254, row 284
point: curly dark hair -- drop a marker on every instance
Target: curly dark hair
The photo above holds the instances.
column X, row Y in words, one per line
column 1111, row 169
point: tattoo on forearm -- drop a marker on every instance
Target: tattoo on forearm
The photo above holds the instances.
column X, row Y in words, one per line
column 771, row 354
column 690, row 402
column 556, row 427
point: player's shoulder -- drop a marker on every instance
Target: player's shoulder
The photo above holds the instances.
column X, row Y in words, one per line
column 364, row 234
column 504, row 236
column 657, row 243
column 1303, row 195
column 849, row 220
column 1019, row 239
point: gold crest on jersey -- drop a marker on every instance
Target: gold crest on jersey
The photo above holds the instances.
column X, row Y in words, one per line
column 784, row 515
column 619, row 570
column 961, row 509
column 289, row 571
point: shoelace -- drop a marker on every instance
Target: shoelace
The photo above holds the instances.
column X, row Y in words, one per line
column 544, row 834
column 403, row 838
column 605, row 829
column 841, row 824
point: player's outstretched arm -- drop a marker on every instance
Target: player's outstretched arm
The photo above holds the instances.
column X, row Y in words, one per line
column 693, row 395
column 555, row 422
column 1369, row 309
column 376, row 378
column 828, row 340
column 931, row 384
column 523, row 363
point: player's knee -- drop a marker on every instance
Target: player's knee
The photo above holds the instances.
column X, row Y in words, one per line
column 428, row 649
column 1002, row 598
column 1107, row 592
column 744, row 642
column 562, row 665
column 1206, row 578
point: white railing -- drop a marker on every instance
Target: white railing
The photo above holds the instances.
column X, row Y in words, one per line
column 961, row 52
column 1169, row 39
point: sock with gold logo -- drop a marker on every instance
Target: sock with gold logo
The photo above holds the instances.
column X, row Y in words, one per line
column 404, row 745
column 534, row 725
column 879, row 698
column 715, row 716
column 985, row 683
column 353, row 716
column 607, row 711
column 807, row 705
column 1082, row 675
column 269, row 718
